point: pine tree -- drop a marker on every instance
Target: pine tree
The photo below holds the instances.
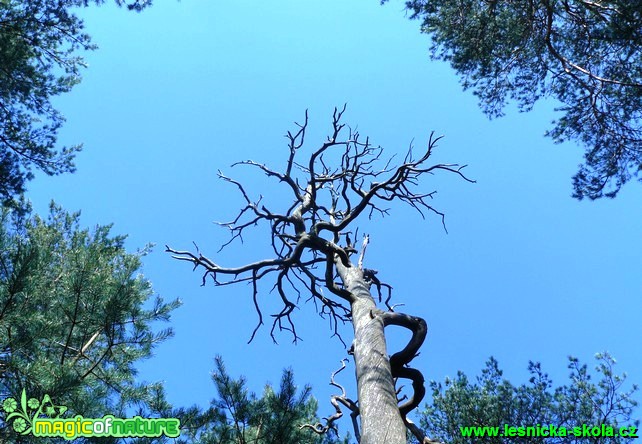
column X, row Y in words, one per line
column 41, row 42
column 492, row 401
column 586, row 54
column 75, row 317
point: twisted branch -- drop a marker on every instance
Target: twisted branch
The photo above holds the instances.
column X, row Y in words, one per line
column 400, row 360
column 335, row 400
column 306, row 238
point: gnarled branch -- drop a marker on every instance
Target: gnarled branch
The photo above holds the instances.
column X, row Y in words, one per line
column 326, row 201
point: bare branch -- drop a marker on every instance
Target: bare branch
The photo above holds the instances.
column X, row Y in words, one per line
column 419, row 434
column 327, row 200
column 335, row 400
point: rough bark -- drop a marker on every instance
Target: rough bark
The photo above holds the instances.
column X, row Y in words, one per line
column 380, row 419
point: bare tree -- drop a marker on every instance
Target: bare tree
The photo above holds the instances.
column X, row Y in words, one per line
column 313, row 253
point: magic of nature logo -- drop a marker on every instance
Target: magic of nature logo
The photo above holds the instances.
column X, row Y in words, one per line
column 43, row 418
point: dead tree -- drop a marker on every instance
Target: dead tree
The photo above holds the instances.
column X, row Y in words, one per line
column 313, row 253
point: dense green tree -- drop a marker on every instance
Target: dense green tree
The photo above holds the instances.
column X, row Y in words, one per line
column 40, row 46
column 238, row 416
column 75, row 318
column 492, row 401
column 585, row 53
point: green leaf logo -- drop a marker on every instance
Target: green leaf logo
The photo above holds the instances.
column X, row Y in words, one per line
column 24, row 412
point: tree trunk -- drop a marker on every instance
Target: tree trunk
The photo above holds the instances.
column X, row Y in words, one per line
column 381, row 422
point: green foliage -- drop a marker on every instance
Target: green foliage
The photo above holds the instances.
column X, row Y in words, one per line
column 40, row 42
column 493, row 401
column 585, row 53
column 75, row 317
column 238, row 416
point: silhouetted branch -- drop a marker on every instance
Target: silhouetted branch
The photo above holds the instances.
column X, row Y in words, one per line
column 329, row 202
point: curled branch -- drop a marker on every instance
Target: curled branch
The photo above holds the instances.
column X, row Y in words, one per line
column 400, row 360
column 335, row 400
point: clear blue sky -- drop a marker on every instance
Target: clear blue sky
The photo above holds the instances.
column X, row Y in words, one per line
column 186, row 88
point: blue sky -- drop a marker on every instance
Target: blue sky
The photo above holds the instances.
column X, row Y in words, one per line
column 186, row 88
